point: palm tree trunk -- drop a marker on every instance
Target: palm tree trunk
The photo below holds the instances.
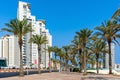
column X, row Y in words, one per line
column 110, row 58
column 81, row 66
column 66, row 60
column 66, row 65
column 92, row 65
column 55, row 62
column 60, row 64
column 39, row 59
column 30, row 51
column 97, row 56
column 49, row 63
column 85, row 72
column 21, row 60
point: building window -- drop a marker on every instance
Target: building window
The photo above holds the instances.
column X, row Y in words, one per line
column 28, row 6
column 40, row 24
column 25, row 9
column 117, row 66
column 24, row 6
column 40, row 31
column 24, row 16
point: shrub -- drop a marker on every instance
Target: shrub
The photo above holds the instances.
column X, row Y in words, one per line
column 76, row 70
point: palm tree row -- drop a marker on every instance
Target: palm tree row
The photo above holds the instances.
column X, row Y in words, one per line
column 88, row 45
column 85, row 46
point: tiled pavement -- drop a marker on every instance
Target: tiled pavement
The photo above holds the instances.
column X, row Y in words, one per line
column 63, row 76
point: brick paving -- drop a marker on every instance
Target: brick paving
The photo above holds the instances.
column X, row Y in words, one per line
column 63, row 76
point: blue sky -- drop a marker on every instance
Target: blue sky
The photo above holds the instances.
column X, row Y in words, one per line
column 64, row 17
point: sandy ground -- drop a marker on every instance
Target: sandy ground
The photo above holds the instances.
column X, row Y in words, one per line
column 63, row 76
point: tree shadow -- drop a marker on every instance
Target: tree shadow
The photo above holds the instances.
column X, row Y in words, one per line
column 94, row 78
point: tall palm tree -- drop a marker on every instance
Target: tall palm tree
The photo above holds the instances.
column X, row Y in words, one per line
column 77, row 42
column 98, row 48
column 92, row 60
column 66, row 49
column 19, row 29
column 38, row 40
column 85, row 35
column 116, row 14
column 72, row 56
column 61, row 55
column 63, row 58
column 109, row 32
column 49, row 49
column 55, row 50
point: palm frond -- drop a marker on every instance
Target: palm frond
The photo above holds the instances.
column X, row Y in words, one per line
column 117, row 13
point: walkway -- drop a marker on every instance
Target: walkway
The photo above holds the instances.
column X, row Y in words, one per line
column 63, row 76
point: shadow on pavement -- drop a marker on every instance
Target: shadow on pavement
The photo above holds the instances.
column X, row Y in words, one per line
column 99, row 78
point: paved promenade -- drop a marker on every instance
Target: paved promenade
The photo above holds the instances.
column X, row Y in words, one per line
column 63, row 76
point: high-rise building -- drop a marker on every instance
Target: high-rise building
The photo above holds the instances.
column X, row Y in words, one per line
column 7, row 50
column 30, row 52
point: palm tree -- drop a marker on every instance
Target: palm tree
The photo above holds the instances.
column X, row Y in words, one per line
column 85, row 35
column 72, row 56
column 55, row 50
column 77, row 42
column 92, row 60
column 19, row 29
column 116, row 14
column 109, row 32
column 49, row 49
column 38, row 40
column 61, row 55
column 98, row 48
column 66, row 49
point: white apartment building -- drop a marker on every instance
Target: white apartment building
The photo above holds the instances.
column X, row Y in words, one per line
column 30, row 52
column 7, row 50
column 1, row 48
